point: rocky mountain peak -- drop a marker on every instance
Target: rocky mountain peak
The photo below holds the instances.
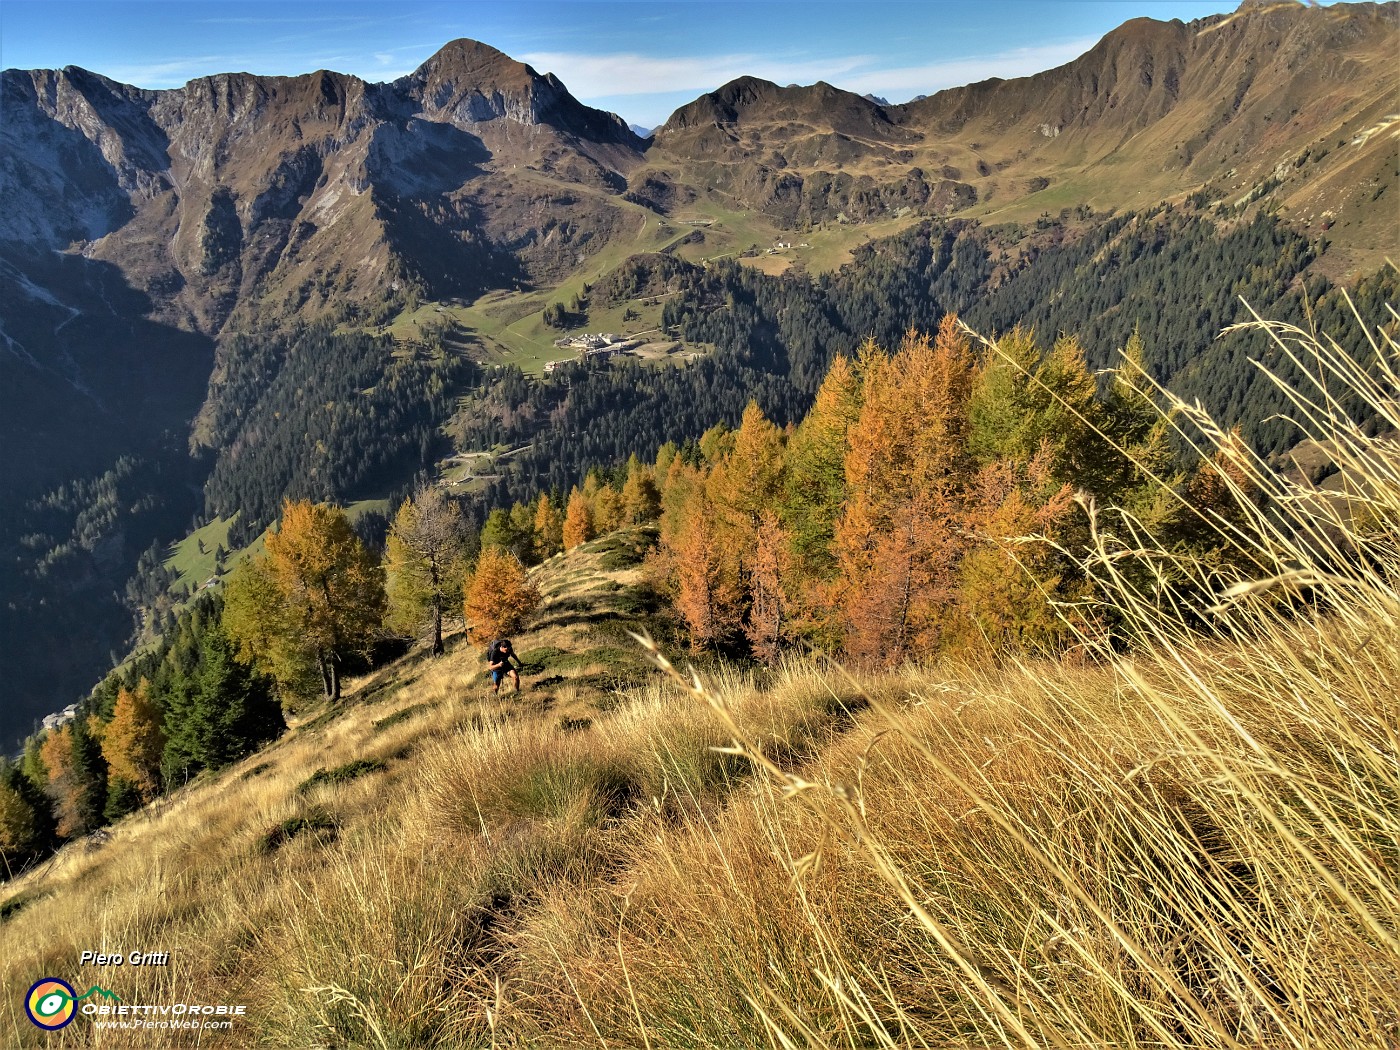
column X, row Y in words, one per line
column 468, row 83
column 470, row 62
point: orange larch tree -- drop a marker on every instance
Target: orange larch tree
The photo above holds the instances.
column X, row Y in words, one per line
column 766, row 623
column 707, row 585
column 134, row 742
column 899, row 541
column 941, row 375
column 56, row 753
column 499, row 596
column 578, row 520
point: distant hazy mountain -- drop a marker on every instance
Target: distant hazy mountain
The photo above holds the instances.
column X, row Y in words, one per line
column 639, row 131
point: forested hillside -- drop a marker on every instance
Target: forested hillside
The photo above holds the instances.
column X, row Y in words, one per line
column 1175, row 277
column 325, row 414
column 318, row 414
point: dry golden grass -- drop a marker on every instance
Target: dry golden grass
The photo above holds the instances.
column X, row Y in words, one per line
column 1197, row 844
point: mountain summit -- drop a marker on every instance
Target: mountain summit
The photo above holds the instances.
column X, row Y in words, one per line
column 468, row 82
column 238, row 189
column 1275, row 92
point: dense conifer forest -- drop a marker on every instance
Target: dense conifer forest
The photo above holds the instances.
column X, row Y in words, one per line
column 1174, row 277
column 323, row 414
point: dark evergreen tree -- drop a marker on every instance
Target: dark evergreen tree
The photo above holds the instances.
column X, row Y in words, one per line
column 224, row 712
column 89, row 778
column 234, row 703
column 29, row 830
column 122, row 798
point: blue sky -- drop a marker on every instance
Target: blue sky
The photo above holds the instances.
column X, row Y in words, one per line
column 640, row 59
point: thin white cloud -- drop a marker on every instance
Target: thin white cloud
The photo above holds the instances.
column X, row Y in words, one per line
column 628, row 73
column 167, row 74
column 178, row 72
column 591, row 76
column 907, row 81
column 631, row 74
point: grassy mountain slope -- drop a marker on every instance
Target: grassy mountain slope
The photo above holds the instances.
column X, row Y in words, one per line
column 1192, row 844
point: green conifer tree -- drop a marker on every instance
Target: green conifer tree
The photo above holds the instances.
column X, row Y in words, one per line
column 224, row 712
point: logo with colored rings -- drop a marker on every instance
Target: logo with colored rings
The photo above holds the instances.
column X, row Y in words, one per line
column 51, row 1004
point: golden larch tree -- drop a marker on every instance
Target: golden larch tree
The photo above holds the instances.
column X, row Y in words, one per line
column 499, row 596
column 607, row 509
column 641, row 502
column 815, row 470
column 814, row 500
column 941, row 374
column 899, row 539
column 1013, row 574
column 549, row 528
column 578, row 520
column 749, row 478
column 134, row 741
column 316, row 596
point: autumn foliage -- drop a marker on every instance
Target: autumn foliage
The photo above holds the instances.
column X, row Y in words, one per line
column 931, row 501
column 315, row 597
column 134, row 742
column 77, row 782
column 578, row 521
column 499, row 596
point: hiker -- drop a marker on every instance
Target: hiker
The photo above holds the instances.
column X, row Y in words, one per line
column 499, row 657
